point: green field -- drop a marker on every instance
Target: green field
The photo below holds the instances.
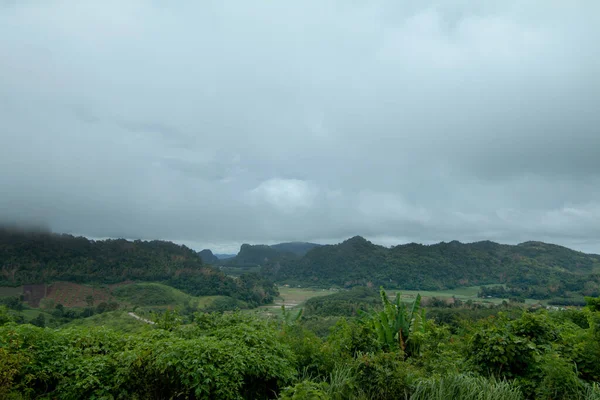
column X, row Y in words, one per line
column 290, row 298
column 293, row 297
column 462, row 293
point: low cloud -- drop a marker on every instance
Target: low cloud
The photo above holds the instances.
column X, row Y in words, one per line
column 226, row 122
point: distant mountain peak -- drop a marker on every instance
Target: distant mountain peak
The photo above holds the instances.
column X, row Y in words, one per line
column 208, row 257
column 356, row 239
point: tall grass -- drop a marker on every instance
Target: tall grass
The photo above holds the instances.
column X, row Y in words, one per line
column 341, row 382
column 465, row 387
column 590, row 392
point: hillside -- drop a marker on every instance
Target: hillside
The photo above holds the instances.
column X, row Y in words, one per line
column 539, row 269
column 40, row 257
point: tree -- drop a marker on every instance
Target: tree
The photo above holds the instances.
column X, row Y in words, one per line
column 593, row 303
column 40, row 320
column 397, row 324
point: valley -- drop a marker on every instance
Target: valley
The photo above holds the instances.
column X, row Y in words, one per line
column 314, row 312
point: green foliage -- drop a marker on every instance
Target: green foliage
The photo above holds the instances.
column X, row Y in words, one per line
column 12, row 302
column 465, row 387
column 384, row 376
column 306, row 390
column 168, row 319
column 398, row 325
column 351, row 337
column 593, row 303
column 535, row 355
column 40, row 320
column 496, row 349
column 6, row 316
column 313, row 356
column 10, row 365
column 225, row 361
column 559, row 378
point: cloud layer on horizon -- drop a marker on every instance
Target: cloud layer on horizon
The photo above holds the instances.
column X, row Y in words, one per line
column 223, row 122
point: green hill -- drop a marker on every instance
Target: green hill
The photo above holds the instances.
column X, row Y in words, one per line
column 117, row 320
column 151, row 294
column 531, row 269
column 42, row 257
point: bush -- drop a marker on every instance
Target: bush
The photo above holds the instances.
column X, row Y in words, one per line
column 306, row 390
column 384, row 376
column 244, row 360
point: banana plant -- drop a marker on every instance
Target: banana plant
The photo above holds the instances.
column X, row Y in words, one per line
column 398, row 326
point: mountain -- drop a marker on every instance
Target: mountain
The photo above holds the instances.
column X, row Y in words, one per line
column 41, row 257
column 297, row 248
column 266, row 255
column 224, row 256
column 208, row 257
column 533, row 268
column 258, row 255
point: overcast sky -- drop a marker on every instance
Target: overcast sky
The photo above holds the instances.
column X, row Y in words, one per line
column 214, row 123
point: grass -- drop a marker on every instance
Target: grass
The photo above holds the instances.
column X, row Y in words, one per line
column 151, row 294
column 30, row 314
column 291, row 297
column 117, row 320
column 465, row 387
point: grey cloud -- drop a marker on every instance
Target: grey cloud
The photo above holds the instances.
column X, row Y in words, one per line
column 224, row 122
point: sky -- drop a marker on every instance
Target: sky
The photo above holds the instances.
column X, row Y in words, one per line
column 216, row 123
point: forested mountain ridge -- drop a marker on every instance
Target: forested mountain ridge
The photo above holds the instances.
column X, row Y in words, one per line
column 32, row 257
column 41, row 257
column 528, row 265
